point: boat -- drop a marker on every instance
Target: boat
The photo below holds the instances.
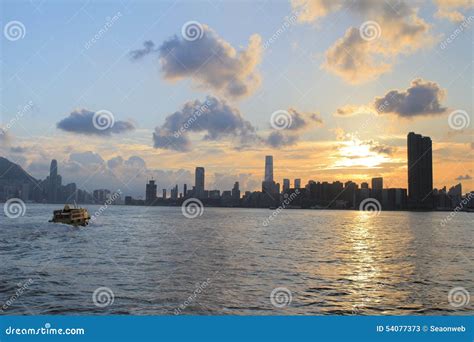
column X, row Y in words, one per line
column 75, row 216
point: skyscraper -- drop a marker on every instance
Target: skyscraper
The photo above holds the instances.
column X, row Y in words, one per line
column 377, row 183
column 54, row 183
column 150, row 195
column 297, row 183
column 286, row 185
column 268, row 185
column 199, row 182
column 268, row 169
column 420, row 171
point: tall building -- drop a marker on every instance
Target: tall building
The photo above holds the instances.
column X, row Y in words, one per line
column 150, row 195
column 236, row 194
column 268, row 169
column 377, row 183
column 420, row 171
column 199, row 182
column 54, row 183
column 174, row 192
column 297, row 183
column 286, row 185
column 164, row 193
column 268, row 184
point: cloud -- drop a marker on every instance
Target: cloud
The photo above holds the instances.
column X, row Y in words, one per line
column 280, row 139
column 82, row 122
column 148, row 47
column 396, row 25
column 215, row 117
column 211, row 62
column 421, row 98
column 4, row 136
column 380, row 149
column 288, row 136
column 461, row 177
column 451, row 9
column 18, row 149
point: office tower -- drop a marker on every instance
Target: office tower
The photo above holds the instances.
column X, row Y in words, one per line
column 54, row 182
column 268, row 185
column 101, row 195
column 297, row 183
column 174, row 192
column 185, row 190
column 420, row 171
column 377, row 183
column 199, row 182
column 286, row 184
column 268, row 169
column 364, row 185
column 150, row 195
column 236, row 193
column 164, row 193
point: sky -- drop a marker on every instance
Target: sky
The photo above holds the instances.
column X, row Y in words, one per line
column 121, row 91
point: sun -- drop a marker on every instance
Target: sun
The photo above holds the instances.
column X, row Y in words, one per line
column 356, row 153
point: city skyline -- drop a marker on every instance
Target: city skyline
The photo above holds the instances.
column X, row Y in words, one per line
column 347, row 114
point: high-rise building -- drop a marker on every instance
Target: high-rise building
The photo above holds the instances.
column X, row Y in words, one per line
column 297, row 183
column 236, row 193
column 150, row 195
column 268, row 184
column 199, row 182
column 54, row 182
column 185, row 190
column 268, row 169
column 420, row 171
column 377, row 183
column 164, row 193
column 364, row 185
column 174, row 192
column 286, row 185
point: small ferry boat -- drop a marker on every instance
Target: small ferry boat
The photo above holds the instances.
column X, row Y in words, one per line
column 74, row 216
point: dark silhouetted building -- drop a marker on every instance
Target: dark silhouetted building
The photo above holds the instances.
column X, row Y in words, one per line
column 297, row 183
column 286, row 185
column 268, row 169
column 199, row 182
column 150, row 195
column 420, row 172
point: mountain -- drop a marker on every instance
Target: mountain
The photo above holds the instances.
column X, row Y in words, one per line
column 14, row 173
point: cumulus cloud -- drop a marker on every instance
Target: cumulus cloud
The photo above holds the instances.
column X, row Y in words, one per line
column 300, row 121
column 215, row 117
column 82, row 122
column 461, row 177
column 451, row 9
column 211, row 62
column 358, row 60
column 420, row 98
